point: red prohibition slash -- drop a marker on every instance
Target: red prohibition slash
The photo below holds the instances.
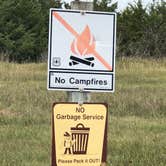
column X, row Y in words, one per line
column 74, row 33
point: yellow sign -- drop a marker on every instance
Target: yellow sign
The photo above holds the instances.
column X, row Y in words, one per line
column 79, row 134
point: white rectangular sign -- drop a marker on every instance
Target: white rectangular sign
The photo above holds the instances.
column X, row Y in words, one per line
column 81, row 44
column 85, row 81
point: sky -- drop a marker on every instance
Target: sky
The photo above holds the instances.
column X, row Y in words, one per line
column 123, row 3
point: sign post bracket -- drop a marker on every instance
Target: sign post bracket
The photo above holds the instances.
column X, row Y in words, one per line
column 79, row 96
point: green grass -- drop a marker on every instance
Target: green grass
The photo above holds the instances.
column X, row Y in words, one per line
column 137, row 125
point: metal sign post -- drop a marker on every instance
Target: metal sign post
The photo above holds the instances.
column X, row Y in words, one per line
column 81, row 96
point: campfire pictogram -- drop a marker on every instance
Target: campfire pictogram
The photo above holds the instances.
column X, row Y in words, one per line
column 79, row 48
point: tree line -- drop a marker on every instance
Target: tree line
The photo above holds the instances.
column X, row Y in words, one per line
column 141, row 31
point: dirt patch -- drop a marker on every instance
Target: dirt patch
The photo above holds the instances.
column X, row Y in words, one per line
column 5, row 112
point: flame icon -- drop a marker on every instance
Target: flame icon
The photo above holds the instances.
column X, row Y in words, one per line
column 79, row 44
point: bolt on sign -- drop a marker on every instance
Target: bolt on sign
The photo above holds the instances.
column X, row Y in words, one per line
column 81, row 50
column 79, row 134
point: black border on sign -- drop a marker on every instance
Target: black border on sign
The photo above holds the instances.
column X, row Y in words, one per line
column 104, row 151
column 85, row 89
column 88, row 12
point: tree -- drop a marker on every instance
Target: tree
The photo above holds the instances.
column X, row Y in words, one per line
column 104, row 5
column 131, row 25
column 24, row 28
column 141, row 30
column 155, row 37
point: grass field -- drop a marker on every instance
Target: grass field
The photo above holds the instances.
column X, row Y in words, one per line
column 137, row 124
